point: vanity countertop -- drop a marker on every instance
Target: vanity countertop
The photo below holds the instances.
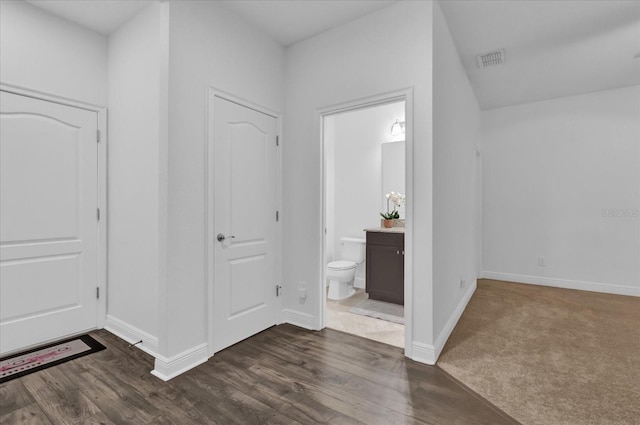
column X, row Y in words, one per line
column 385, row 229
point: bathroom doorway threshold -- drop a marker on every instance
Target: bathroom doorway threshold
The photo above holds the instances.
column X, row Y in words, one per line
column 339, row 318
column 403, row 337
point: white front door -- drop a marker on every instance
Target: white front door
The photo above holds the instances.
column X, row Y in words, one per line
column 245, row 174
column 48, row 221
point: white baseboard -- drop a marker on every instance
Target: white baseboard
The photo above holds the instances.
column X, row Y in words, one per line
column 445, row 333
column 131, row 334
column 168, row 368
column 606, row 288
column 299, row 319
column 165, row 368
column 425, row 353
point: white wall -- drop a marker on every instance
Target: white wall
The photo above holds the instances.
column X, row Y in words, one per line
column 135, row 163
column 456, row 130
column 44, row 53
column 209, row 45
column 393, row 175
column 550, row 170
column 366, row 57
column 359, row 136
column 329, row 135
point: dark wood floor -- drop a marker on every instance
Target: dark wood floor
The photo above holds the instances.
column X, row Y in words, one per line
column 284, row 375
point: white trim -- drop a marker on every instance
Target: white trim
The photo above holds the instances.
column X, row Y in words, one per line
column 606, row 288
column 423, row 353
column 209, row 231
column 297, row 318
column 403, row 95
column 162, row 151
column 102, row 190
column 209, row 184
column 408, row 232
column 103, row 203
column 49, row 97
column 213, row 91
column 131, row 334
column 279, row 228
column 168, row 368
column 445, row 333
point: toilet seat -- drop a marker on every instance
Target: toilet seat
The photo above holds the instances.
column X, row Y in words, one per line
column 342, row 265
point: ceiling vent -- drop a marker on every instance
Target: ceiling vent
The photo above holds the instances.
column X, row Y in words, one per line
column 488, row 59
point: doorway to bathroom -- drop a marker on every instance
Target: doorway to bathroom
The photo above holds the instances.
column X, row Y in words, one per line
column 364, row 178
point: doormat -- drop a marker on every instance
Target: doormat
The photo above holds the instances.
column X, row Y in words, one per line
column 24, row 363
column 380, row 310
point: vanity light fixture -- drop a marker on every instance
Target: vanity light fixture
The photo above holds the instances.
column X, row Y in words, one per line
column 397, row 128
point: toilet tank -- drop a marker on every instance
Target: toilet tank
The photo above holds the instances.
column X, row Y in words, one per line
column 353, row 249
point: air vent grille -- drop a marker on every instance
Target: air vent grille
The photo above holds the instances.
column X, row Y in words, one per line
column 488, row 59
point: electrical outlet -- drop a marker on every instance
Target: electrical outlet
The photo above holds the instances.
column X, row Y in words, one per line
column 302, row 292
column 541, row 262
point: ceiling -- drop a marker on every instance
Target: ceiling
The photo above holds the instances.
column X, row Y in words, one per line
column 552, row 48
column 285, row 21
column 288, row 21
column 101, row 16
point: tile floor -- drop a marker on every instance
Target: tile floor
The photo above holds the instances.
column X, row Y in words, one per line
column 339, row 318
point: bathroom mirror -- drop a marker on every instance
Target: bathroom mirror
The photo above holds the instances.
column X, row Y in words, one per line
column 393, row 172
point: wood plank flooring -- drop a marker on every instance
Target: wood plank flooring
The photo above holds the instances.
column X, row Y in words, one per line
column 284, row 375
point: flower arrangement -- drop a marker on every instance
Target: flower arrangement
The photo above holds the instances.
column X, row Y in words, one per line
column 398, row 200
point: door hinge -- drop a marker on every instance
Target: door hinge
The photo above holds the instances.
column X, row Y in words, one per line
column 278, row 290
column 277, row 215
column 98, row 214
column 277, row 140
column 97, row 292
column 98, row 136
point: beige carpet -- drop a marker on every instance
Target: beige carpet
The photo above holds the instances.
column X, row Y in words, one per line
column 550, row 356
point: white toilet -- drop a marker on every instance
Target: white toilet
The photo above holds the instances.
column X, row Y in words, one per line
column 341, row 273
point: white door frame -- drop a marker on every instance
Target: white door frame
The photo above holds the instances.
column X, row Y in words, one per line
column 209, row 184
column 102, row 185
column 405, row 95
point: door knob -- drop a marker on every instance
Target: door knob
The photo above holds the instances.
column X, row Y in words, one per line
column 222, row 237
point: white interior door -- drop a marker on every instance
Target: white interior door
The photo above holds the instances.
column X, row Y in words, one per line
column 48, row 221
column 245, row 174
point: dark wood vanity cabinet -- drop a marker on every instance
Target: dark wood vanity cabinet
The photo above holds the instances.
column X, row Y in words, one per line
column 385, row 267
